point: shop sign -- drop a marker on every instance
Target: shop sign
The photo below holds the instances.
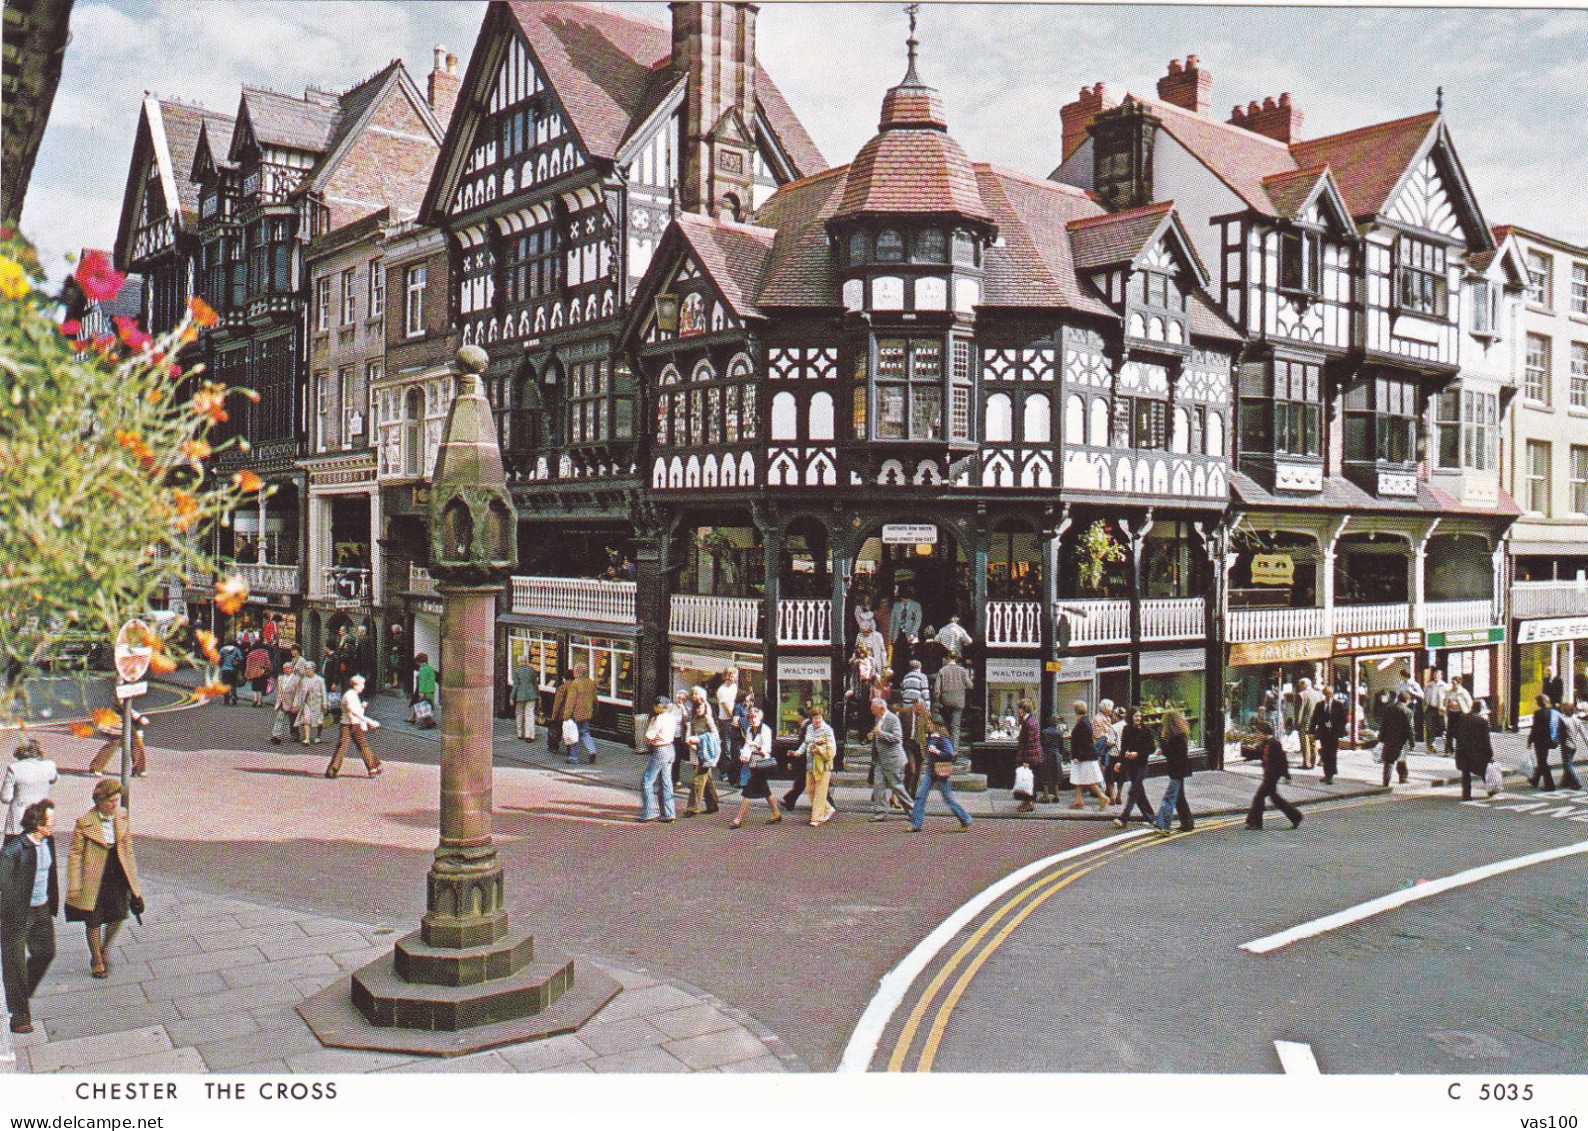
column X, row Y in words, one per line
column 1393, row 640
column 428, row 608
column 1467, row 638
column 1022, row 673
column 1273, row 569
column 1182, row 660
column 1071, row 668
column 714, row 661
column 1262, row 652
column 909, row 534
column 813, row 670
column 1560, row 628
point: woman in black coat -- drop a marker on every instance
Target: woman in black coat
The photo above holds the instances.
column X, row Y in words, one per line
column 1274, row 766
column 1474, row 751
column 1542, row 738
column 1135, row 748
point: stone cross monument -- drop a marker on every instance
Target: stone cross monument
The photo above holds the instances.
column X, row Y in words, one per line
column 464, row 981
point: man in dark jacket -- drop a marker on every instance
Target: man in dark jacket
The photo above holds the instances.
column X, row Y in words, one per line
column 1470, row 736
column 30, row 896
column 1394, row 733
column 1274, row 765
column 1329, row 722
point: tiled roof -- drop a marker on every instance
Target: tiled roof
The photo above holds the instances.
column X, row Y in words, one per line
column 800, row 273
column 913, row 170
column 1103, row 241
column 1034, row 266
column 1340, row 494
column 1369, row 162
column 734, row 255
column 1238, row 157
column 607, row 69
column 183, row 122
column 1289, row 192
column 290, row 123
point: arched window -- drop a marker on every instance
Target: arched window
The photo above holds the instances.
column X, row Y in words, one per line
column 1000, row 419
column 703, row 370
column 821, row 417
column 1075, row 419
column 1038, row 424
column 785, row 417
column 1216, row 434
column 890, row 246
column 857, row 247
column 1097, row 424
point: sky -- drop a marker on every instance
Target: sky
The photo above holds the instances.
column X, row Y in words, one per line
column 1515, row 81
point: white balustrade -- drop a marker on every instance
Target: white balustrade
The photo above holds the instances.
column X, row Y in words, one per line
column 420, row 581
column 804, row 621
column 575, row 598
column 1014, row 624
column 270, row 578
column 1177, row 618
column 1098, row 622
column 734, row 619
column 1247, row 626
column 1371, row 618
column 1549, row 599
column 1453, row 616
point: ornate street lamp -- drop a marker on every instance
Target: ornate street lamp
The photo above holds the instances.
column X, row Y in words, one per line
column 464, row 981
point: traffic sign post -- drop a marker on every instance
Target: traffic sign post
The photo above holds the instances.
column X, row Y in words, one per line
column 134, row 650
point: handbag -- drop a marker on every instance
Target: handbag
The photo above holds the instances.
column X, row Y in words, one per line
column 1493, row 778
column 762, row 764
column 570, row 732
column 942, row 771
column 1291, row 742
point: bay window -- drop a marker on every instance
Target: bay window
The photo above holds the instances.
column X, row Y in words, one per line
column 1468, row 425
column 1282, row 409
column 1381, row 421
column 908, row 387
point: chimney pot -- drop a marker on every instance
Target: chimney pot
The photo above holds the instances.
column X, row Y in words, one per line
column 1191, row 62
column 1252, row 108
column 1077, row 116
column 1269, row 103
column 452, row 63
column 1174, row 66
column 1284, row 99
column 440, row 54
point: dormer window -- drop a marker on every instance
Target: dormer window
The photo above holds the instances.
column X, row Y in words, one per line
column 1301, row 262
column 1420, row 284
column 857, row 248
column 929, row 247
column 890, row 246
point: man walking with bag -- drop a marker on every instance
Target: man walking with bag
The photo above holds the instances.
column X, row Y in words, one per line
column 575, row 702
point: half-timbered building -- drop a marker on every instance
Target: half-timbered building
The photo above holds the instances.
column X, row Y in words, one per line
column 1367, row 517
column 291, row 170
column 916, row 389
column 580, row 133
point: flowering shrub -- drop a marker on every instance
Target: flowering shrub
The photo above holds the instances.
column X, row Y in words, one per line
column 103, row 490
column 1095, row 551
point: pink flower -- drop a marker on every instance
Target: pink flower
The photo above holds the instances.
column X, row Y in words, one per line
column 98, row 278
column 71, row 327
column 131, row 333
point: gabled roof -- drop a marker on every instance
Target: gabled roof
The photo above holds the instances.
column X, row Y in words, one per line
column 358, row 105
column 211, row 148
column 735, row 256
column 281, row 120
column 1370, row 162
column 610, row 69
column 1118, row 237
column 800, row 273
column 1237, row 156
column 1035, row 264
column 167, row 137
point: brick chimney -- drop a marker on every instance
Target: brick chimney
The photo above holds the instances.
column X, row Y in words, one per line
column 1187, row 86
column 1077, row 116
column 444, row 84
column 1278, row 120
column 714, row 45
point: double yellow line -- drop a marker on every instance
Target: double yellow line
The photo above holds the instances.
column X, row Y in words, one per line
column 979, row 947
column 1006, row 919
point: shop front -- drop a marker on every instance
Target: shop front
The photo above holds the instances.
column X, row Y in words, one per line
column 1558, row 643
column 1258, row 667
column 1470, row 657
column 802, row 683
column 1174, row 681
column 1008, row 682
column 703, row 667
column 1369, row 666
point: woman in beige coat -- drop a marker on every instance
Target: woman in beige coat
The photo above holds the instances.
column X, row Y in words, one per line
column 311, row 702
column 101, row 875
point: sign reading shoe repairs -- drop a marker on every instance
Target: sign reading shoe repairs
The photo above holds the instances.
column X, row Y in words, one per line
column 1391, row 640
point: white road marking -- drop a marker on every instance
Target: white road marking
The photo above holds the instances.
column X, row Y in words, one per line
column 862, row 1046
column 1407, row 895
column 1296, row 1058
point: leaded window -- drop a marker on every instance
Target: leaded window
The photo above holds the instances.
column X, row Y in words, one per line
column 1420, row 283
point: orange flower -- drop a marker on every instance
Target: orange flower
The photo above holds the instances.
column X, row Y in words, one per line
column 230, row 594
column 186, row 509
column 188, row 336
column 137, row 447
column 247, row 482
column 106, row 719
column 207, row 645
column 161, row 663
column 195, row 452
column 203, row 313
column 212, row 690
column 81, row 730
column 210, row 401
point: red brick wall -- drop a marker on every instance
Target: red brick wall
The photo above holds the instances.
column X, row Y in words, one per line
column 439, row 342
column 381, row 170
